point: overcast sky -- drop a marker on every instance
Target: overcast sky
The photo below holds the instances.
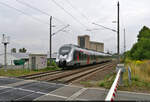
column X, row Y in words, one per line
column 29, row 28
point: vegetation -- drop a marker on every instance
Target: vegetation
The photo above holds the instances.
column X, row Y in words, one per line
column 25, row 71
column 140, row 77
column 22, row 50
column 53, row 63
column 141, row 49
column 13, row 50
column 108, row 81
column 86, row 83
column 20, row 72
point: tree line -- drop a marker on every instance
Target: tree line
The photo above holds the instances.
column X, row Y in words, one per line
column 141, row 49
column 21, row 50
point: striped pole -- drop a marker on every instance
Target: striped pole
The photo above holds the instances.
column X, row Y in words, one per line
column 113, row 90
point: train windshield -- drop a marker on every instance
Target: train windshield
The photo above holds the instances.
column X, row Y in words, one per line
column 64, row 50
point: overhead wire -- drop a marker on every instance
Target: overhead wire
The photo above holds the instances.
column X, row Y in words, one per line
column 77, row 10
column 37, row 19
column 68, row 13
column 39, row 10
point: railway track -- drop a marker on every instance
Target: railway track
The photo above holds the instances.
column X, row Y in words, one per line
column 67, row 76
column 36, row 75
column 78, row 76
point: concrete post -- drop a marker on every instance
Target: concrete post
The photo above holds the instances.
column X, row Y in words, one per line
column 5, row 57
column 122, row 67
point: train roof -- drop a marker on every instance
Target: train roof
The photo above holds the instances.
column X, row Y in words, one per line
column 89, row 51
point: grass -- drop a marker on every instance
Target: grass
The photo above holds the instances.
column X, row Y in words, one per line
column 140, row 77
column 86, row 83
column 140, row 69
column 108, row 80
column 20, row 72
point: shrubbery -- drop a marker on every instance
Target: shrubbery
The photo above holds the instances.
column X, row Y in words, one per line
column 141, row 49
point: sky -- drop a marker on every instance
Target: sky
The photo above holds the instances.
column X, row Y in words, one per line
column 26, row 22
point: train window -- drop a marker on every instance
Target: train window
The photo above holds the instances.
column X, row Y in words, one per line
column 84, row 56
column 64, row 50
column 79, row 55
column 75, row 55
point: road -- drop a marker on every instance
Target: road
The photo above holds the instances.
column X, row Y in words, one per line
column 19, row 89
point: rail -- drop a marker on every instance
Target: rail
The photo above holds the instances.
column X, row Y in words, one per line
column 112, row 92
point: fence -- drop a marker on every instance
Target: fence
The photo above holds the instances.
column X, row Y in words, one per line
column 26, row 66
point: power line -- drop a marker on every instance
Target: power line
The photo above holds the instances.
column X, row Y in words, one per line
column 39, row 10
column 105, row 27
column 68, row 13
column 77, row 10
column 39, row 20
column 60, row 30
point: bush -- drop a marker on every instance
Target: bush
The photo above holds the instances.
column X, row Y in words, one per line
column 141, row 49
column 102, row 84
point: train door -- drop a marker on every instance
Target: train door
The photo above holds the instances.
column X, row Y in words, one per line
column 77, row 56
column 88, row 59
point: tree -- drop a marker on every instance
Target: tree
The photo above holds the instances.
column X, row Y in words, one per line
column 13, row 50
column 23, row 50
column 141, row 49
column 144, row 33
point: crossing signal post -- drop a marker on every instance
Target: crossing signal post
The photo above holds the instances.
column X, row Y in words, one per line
column 118, row 32
column 118, row 39
column 5, row 41
column 50, row 48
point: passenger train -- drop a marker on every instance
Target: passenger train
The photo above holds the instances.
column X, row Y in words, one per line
column 73, row 55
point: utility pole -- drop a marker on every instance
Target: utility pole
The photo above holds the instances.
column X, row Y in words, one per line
column 118, row 31
column 50, row 48
column 124, row 40
column 5, row 42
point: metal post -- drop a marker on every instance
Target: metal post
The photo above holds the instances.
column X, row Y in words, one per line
column 50, row 50
column 122, row 67
column 124, row 40
column 5, row 42
column 5, row 50
column 118, row 48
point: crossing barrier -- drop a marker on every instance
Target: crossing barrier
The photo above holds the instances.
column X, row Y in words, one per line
column 113, row 90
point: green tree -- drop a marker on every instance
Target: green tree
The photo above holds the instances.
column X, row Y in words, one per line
column 23, row 50
column 144, row 33
column 13, row 50
column 141, row 49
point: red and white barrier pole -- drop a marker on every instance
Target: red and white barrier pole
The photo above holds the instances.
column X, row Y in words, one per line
column 112, row 92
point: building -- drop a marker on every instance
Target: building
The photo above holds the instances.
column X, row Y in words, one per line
column 37, row 61
column 13, row 56
column 84, row 42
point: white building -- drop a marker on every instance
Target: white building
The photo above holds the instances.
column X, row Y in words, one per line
column 13, row 56
column 37, row 61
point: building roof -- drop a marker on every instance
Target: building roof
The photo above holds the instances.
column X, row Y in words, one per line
column 96, row 42
column 84, row 36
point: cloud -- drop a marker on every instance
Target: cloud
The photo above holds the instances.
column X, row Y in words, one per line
column 32, row 31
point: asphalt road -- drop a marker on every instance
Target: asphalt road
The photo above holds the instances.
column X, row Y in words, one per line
column 19, row 89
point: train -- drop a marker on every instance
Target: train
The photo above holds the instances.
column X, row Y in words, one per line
column 73, row 55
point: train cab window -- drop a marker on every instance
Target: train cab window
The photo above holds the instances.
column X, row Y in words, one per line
column 64, row 50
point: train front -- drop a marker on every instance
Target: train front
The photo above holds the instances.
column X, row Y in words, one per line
column 63, row 57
